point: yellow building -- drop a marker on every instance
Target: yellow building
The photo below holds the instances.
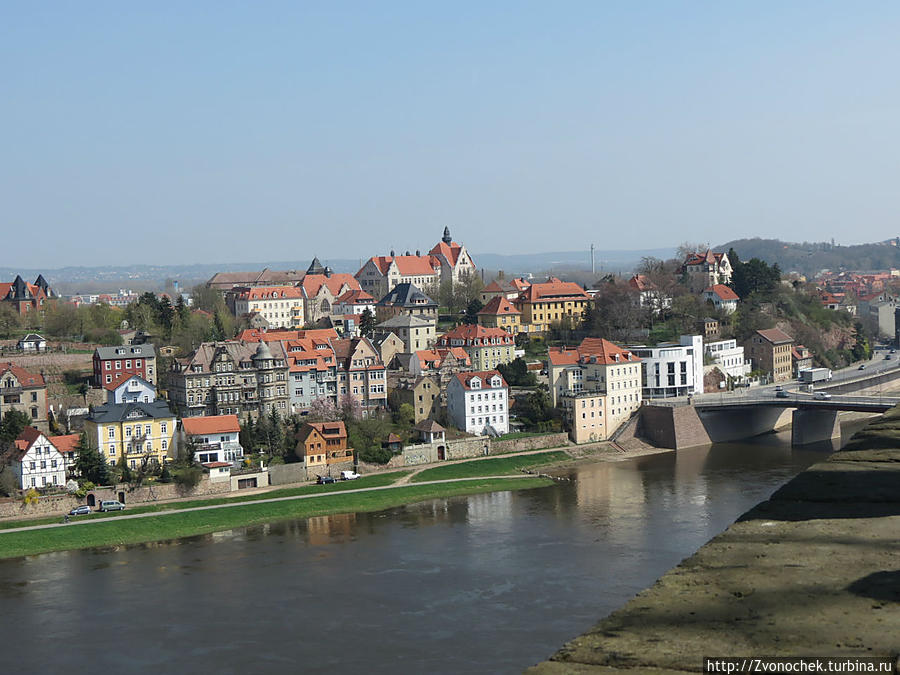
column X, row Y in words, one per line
column 553, row 302
column 585, row 411
column 499, row 313
column 142, row 432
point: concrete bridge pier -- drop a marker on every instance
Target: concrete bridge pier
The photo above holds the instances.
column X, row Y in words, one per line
column 814, row 426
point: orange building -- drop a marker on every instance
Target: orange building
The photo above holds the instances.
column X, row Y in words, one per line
column 323, row 443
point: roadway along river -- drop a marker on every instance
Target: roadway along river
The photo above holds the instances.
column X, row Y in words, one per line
column 484, row 584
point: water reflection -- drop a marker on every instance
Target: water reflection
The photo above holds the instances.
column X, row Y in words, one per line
column 488, row 583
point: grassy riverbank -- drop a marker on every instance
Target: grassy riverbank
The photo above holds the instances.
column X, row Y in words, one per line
column 115, row 532
column 375, row 480
column 500, row 466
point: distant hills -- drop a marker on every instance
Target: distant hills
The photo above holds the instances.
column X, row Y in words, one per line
column 140, row 277
column 809, row 258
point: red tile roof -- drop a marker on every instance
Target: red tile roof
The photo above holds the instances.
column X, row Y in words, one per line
column 553, row 290
column 256, row 335
column 708, row 258
column 465, row 379
column 65, row 444
column 356, row 297
column 25, row 378
column 120, row 380
column 450, row 251
column 270, row 292
column 723, row 292
column 408, row 265
column 640, row 282
column 211, row 424
column 312, row 284
column 597, row 350
column 216, row 465
column 499, row 305
column 472, row 332
column 433, row 358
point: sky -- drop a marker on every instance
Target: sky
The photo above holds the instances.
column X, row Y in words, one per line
column 175, row 132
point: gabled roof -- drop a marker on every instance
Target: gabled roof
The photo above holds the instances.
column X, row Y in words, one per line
column 406, row 295
column 405, row 321
column 470, row 332
column 708, row 258
column 553, row 289
column 211, row 424
column 451, row 252
column 775, row 336
column 429, row 426
column 641, row 283
column 335, row 283
column 434, row 358
column 592, row 350
column 408, row 265
column 66, row 443
column 26, row 380
column 465, row 379
column 256, row 335
column 499, row 305
column 356, row 297
column 722, row 291
column 270, row 293
column 122, row 379
column 23, row 443
column 32, row 337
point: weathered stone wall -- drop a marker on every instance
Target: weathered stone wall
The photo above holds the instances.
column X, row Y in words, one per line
column 153, row 492
column 529, row 443
column 672, row 427
column 283, row 474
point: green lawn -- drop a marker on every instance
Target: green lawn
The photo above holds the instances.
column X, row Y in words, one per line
column 156, row 528
column 500, row 466
column 375, row 480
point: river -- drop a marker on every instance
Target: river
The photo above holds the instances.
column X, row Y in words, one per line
column 484, row 584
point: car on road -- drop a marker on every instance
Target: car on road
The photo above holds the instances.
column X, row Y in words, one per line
column 888, row 357
column 112, row 505
column 862, row 366
column 779, row 388
column 324, row 480
column 781, row 393
column 349, row 475
column 82, row 510
column 822, row 396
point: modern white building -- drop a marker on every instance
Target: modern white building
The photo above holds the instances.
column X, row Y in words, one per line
column 35, row 461
column 215, row 438
column 671, row 369
column 478, row 402
column 729, row 356
column 130, row 389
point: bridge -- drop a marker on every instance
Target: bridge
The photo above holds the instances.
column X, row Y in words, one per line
column 721, row 418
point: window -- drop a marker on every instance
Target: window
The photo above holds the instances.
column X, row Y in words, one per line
column 33, row 466
column 163, row 427
column 112, row 433
column 112, row 450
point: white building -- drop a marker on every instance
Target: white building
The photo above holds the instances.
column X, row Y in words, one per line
column 722, row 298
column 35, row 461
column 478, row 402
column 215, row 438
column 729, row 356
column 130, row 389
column 672, row 369
column 281, row 306
column 354, row 302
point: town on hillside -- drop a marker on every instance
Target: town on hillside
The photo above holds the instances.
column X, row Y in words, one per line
column 306, row 374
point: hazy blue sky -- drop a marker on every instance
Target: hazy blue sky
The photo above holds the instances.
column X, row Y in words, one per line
column 191, row 131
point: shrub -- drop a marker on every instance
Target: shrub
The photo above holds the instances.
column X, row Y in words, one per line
column 31, row 497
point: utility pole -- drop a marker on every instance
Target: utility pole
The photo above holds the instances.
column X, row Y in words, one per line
column 593, row 267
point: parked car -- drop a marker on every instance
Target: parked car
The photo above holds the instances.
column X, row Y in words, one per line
column 781, row 393
column 112, row 505
column 82, row 510
column 862, row 366
column 888, row 357
column 324, row 480
column 822, row 396
column 779, row 388
column 349, row 475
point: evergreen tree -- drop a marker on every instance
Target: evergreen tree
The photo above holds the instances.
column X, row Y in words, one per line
column 13, row 423
column 367, row 323
column 475, row 305
column 90, row 464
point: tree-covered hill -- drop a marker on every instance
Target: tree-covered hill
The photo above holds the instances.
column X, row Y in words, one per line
column 808, row 258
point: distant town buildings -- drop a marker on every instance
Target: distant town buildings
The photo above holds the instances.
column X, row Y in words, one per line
column 478, row 402
column 110, row 363
column 24, row 297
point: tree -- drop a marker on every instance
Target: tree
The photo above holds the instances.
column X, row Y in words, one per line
column 475, row 306
column 9, row 319
column 404, row 415
column 83, row 390
column 323, row 410
column 616, row 313
column 351, row 408
column 367, row 323
column 8, row 483
column 516, row 373
column 90, row 464
column 13, row 423
column 861, row 349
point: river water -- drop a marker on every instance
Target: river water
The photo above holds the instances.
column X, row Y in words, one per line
column 484, row 584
